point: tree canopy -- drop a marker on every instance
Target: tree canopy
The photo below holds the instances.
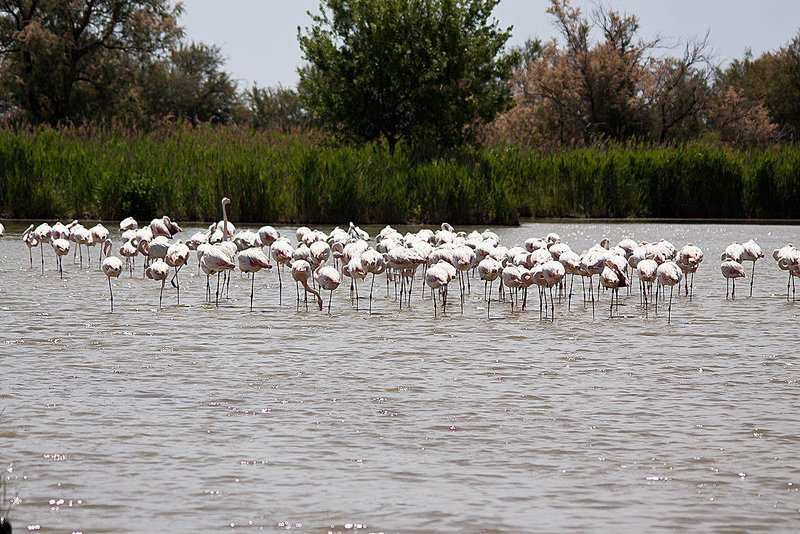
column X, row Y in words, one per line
column 68, row 59
column 405, row 69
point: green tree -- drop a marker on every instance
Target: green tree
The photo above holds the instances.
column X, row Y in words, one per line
column 771, row 80
column 69, row 59
column 276, row 108
column 191, row 85
column 405, row 69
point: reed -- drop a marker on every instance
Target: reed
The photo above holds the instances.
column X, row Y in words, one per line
column 97, row 172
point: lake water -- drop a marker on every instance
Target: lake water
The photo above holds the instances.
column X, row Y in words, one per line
column 205, row 419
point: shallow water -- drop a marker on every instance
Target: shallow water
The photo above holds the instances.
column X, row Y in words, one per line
column 198, row 418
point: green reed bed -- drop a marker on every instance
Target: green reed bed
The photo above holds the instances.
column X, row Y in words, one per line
column 110, row 173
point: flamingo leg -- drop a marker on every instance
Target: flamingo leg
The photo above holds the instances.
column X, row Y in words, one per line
column 669, row 309
column 752, row 277
column 330, row 298
column 252, row 290
column 112, row 294
column 161, row 294
column 371, row 287
column 489, row 300
column 41, row 249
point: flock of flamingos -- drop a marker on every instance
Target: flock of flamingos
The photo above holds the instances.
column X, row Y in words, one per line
column 444, row 257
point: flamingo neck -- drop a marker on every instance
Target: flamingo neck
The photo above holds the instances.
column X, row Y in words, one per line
column 224, row 223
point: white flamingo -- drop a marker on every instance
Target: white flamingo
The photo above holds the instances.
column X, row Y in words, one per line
column 328, row 279
column 176, row 257
column 158, row 270
column 251, row 261
column 301, row 272
column 731, row 270
column 752, row 252
column 668, row 274
column 112, row 267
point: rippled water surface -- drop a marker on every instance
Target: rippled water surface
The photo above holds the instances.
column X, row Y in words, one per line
column 197, row 418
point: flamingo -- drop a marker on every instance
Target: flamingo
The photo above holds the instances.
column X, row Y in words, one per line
column 214, row 260
column 177, row 256
column 129, row 251
column 489, row 270
column 282, row 252
column 572, row 266
column 2, row 230
column 81, row 236
column 164, row 226
column 752, row 252
column 112, row 267
column 42, row 234
column 668, row 274
column 731, row 270
column 128, row 223
column 437, row 277
column 61, row 248
column 328, row 279
column 158, row 270
column 783, row 256
column 553, row 272
column 646, row 271
column 30, row 241
column 512, row 279
column 373, row 263
column 612, row 278
column 689, row 259
column 355, row 270
column 99, row 236
column 301, row 272
column 251, row 261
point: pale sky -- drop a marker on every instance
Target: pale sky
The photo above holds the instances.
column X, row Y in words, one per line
column 259, row 37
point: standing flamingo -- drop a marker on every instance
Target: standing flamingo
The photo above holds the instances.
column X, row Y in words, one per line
column 752, row 252
column 128, row 223
column 689, row 259
column 437, row 277
column 373, row 263
column 42, row 233
column 158, row 270
column 301, row 272
column 112, row 266
column 328, row 279
column 489, row 270
column 251, row 261
column 731, row 270
column 282, row 252
column 783, row 256
column 61, row 248
column 668, row 274
column 30, row 241
column 176, row 257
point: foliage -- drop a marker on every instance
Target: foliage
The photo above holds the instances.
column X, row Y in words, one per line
column 70, row 60
column 771, row 81
column 190, row 85
column 405, row 69
column 111, row 173
column 278, row 108
column 611, row 88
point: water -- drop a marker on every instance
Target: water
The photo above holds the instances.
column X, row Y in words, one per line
column 196, row 418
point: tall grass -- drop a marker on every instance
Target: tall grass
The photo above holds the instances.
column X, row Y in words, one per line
column 110, row 173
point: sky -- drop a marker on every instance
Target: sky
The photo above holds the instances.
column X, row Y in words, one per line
column 258, row 38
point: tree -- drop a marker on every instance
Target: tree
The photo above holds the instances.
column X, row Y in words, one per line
column 277, row 108
column 773, row 80
column 191, row 85
column 405, row 69
column 68, row 59
column 602, row 82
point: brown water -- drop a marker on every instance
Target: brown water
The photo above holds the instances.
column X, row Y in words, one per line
column 197, row 418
